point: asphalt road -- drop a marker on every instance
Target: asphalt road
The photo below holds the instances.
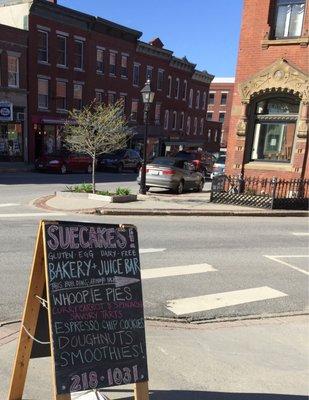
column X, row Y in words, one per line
column 223, row 269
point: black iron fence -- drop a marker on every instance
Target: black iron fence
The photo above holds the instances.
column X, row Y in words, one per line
column 259, row 192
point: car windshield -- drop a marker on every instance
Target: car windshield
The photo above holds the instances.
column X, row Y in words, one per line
column 119, row 153
column 167, row 162
column 221, row 160
column 185, row 156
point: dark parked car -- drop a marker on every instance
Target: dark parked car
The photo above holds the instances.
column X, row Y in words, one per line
column 120, row 160
column 172, row 173
column 64, row 162
column 202, row 160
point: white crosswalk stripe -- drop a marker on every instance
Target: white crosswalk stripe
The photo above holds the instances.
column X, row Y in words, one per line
column 9, row 204
column 218, row 300
column 143, row 251
column 152, row 273
column 300, row 233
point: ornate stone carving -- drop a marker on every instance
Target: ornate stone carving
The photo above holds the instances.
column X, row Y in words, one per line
column 302, row 130
column 241, row 127
column 279, row 76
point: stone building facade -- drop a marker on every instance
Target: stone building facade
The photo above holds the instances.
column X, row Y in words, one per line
column 269, row 118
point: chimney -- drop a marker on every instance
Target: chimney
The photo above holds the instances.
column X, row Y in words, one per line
column 156, row 42
column 52, row 1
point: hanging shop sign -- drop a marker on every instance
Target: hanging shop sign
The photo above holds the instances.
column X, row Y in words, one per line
column 6, row 111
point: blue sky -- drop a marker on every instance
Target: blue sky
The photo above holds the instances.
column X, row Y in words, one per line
column 205, row 31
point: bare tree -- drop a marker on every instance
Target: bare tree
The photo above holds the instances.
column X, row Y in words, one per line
column 98, row 129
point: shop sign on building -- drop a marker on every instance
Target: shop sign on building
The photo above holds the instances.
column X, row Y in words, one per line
column 6, row 111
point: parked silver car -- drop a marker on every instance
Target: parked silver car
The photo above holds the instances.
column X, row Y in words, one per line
column 172, row 173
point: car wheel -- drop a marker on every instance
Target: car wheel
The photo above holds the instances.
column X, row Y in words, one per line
column 89, row 169
column 63, row 169
column 119, row 168
column 180, row 187
column 200, row 186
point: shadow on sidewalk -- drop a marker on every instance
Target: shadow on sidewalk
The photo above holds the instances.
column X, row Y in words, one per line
column 197, row 395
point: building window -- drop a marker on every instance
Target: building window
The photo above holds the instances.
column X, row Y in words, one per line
column 42, row 46
column 78, row 54
column 209, row 135
column 177, row 88
column 149, row 70
column 134, row 109
column 61, row 95
column 160, row 82
column 217, row 135
column 136, row 74
column 43, row 93
column 123, row 100
column 100, row 61
column 221, row 117
column 184, row 90
column 124, row 66
column 289, row 18
column 78, row 96
column 169, row 86
column 198, row 96
column 209, row 116
column 158, row 114
column 99, row 96
column 182, row 121
column 274, row 130
column 188, row 127
column 211, row 98
column 195, row 126
column 174, row 122
column 223, row 100
column 204, row 100
column 13, row 71
column 61, row 51
column 166, row 119
column 191, row 98
column 112, row 63
column 202, row 126
column 111, row 98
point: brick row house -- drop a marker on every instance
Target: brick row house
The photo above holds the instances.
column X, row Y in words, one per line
column 220, row 104
column 75, row 58
column 269, row 118
column 13, row 94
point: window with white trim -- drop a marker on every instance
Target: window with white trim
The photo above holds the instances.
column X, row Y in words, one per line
column 195, row 126
column 223, row 100
column 61, row 95
column 169, row 86
column 124, row 66
column 100, row 61
column 158, row 113
column 221, row 117
column 182, row 121
column 166, row 119
column 204, row 100
column 198, row 96
column 78, row 54
column 174, row 121
column 209, row 135
column 78, row 96
column 134, row 108
column 99, row 96
column 123, row 99
column 289, row 18
column 202, row 126
column 13, row 71
column 136, row 68
column 211, row 98
column 160, row 82
column 184, row 90
column 61, row 50
column 188, row 127
column 149, row 71
column 112, row 63
column 177, row 87
column 43, row 93
column 111, row 98
column 209, row 116
column 191, row 98
column 42, row 37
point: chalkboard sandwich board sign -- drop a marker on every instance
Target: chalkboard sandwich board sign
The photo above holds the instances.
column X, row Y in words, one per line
column 94, row 318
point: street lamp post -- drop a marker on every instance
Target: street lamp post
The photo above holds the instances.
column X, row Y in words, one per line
column 148, row 97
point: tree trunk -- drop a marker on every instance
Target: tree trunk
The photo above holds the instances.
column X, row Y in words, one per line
column 93, row 174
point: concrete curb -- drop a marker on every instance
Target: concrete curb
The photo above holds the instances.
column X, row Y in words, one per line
column 41, row 203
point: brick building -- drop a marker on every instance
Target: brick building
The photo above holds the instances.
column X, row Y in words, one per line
column 269, row 118
column 220, row 104
column 75, row 58
column 13, row 94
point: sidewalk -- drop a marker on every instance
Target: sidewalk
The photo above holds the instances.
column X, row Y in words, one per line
column 243, row 360
column 15, row 167
column 187, row 204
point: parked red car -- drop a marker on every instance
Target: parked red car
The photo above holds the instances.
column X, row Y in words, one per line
column 64, row 162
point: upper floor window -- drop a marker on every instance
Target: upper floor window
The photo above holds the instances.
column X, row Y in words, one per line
column 136, row 74
column 158, row 113
column 99, row 96
column 191, row 98
column 177, row 87
column 182, row 121
column 61, row 50
column 188, row 127
column 174, row 122
column 134, row 108
column 223, row 100
column 78, row 54
column 195, row 126
column 198, row 96
column 169, row 86
column 149, row 72
column 166, row 119
column 184, row 90
column 289, row 18
column 13, row 71
column 124, row 66
column 123, row 100
column 78, row 96
column 112, row 63
column 204, row 100
column 100, row 61
column 221, row 117
column 209, row 116
column 42, row 46
column 160, row 81
column 202, row 126
column 61, row 95
column 111, row 98
column 211, row 98
column 43, row 93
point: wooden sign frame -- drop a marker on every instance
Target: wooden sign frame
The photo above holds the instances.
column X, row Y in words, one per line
column 39, row 280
